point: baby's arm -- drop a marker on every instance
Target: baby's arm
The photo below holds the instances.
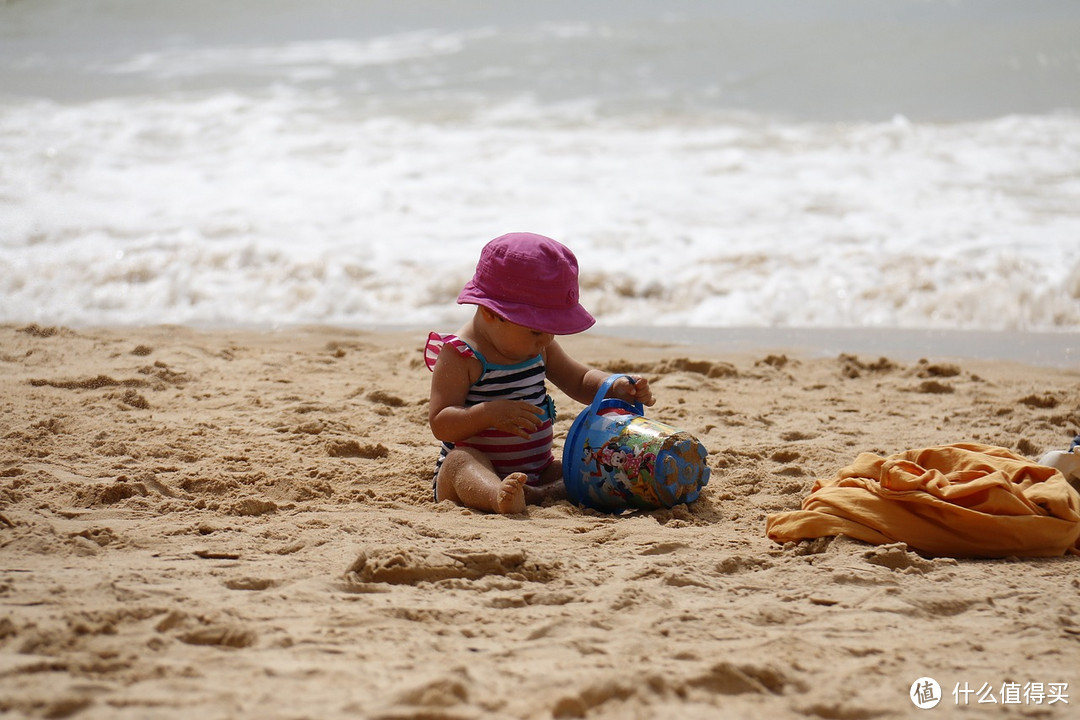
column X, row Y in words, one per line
column 451, row 421
column 581, row 382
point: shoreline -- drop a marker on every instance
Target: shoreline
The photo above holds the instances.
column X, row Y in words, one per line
column 1055, row 349
column 1058, row 349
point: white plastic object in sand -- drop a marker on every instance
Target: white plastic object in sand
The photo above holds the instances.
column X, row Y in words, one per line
column 1067, row 462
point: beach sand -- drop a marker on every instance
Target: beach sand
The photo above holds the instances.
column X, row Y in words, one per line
column 226, row 524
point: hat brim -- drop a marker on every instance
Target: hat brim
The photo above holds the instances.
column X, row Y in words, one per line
column 565, row 320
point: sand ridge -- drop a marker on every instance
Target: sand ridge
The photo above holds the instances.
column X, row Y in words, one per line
column 240, row 524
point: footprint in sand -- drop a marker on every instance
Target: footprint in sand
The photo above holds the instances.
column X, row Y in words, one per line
column 851, row 367
column 398, row 566
column 1046, row 401
column 934, row 387
column 727, row 678
column 251, row 583
column 353, row 449
column 785, row 456
column 926, row 369
column 223, row 635
column 194, row 631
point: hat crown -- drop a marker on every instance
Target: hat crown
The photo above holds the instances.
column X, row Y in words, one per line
column 530, row 280
column 528, row 268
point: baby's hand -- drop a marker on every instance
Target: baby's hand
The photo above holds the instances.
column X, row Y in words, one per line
column 516, row 417
column 632, row 392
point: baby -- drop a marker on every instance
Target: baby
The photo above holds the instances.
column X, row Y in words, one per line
column 489, row 401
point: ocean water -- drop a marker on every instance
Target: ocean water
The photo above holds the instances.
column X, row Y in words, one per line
column 756, row 163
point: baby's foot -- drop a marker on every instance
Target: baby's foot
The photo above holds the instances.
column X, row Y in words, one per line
column 510, row 498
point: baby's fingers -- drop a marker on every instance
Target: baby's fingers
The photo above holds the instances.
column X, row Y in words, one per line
column 640, row 391
column 644, row 393
column 531, row 416
column 521, row 419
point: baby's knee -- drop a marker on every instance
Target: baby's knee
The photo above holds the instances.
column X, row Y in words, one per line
column 459, row 465
column 460, row 460
column 449, row 470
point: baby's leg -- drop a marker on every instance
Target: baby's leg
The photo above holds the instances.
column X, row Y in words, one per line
column 468, row 478
column 550, row 487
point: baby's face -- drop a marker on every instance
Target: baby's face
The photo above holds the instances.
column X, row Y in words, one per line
column 519, row 342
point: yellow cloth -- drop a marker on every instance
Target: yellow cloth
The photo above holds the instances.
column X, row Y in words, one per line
column 963, row 500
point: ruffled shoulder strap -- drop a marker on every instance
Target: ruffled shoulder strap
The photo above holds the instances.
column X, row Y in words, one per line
column 436, row 342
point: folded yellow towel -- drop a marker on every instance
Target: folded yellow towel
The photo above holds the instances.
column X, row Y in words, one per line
column 962, row 500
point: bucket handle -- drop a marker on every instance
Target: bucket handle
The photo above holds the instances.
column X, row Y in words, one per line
column 602, row 392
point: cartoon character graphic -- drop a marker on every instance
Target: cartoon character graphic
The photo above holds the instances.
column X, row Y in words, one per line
column 622, row 468
column 617, row 460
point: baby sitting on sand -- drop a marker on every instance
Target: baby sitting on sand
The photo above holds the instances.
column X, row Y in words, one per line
column 489, row 401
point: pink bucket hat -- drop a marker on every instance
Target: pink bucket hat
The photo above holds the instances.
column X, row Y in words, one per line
column 530, row 280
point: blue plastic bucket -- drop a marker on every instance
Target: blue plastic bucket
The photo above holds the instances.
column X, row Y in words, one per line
column 616, row 459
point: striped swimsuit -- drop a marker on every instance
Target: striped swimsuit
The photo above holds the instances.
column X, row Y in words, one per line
column 523, row 381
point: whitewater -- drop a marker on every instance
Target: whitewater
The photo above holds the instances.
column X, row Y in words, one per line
column 821, row 164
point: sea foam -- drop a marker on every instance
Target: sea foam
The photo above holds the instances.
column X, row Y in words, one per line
column 324, row 174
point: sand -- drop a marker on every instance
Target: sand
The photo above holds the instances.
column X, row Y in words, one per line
column 229, row 524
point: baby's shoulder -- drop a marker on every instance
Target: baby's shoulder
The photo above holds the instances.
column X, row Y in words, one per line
column 460, row 351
